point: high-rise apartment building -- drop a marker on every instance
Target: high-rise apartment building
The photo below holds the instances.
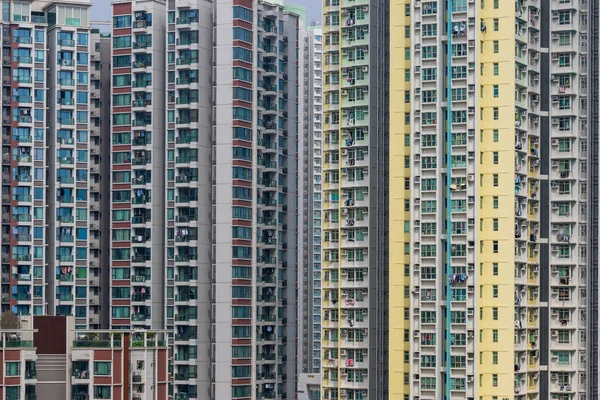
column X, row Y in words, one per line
column 215, row 176
column 24, row 136
column 188, row 197
column 51, row 161
column 488, row 199
column 312, row 198
column 73, row 197
column 47, row 358
column 354, row 244
column 137, row 265
column 255, row 196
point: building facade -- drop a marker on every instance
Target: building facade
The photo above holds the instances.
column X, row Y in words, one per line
column 255, row 199
column 474, row 131
column 73, row 197
column 354, row 200
column 48, row 358
column 51, row 129
column 188, row 192
column 312, row 198
column 138, row 165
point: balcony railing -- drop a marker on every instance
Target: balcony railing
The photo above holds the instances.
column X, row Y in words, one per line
column 66, row 42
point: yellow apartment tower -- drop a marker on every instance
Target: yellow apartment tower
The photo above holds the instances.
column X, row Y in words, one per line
column 488, row 201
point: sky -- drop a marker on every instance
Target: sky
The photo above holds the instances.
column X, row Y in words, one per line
column 101, row 9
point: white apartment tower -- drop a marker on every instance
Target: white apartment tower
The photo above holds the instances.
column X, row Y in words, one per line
column 312, row 197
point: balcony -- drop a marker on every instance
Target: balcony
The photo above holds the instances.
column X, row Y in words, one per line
column 65, row 140
column 139, row 83
column 23, row 119
column 23, row 60
column 141, row 141
column 66, row 121
column 66, row 43
column 140, row 317
column 142, row 64
column 64, row 297
column 23, row 178
column 140, row 296
column 65, row 218
column 142, row 45
column 186, row 81
column 141, row 122
column 22, row 158
column 186, row 159
column 186, row 277
column 67, row 277
column 141, row 103
column 22, row 99
column 140, row 161
column 186, row 21
column 186, row 257
column 187, row 61
column 66, row 62
column 22, row 79
column 139, row 258
column 22, row 296
column 186, row 297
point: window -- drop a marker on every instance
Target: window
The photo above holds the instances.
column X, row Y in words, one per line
column 495, row 180
column 495, row 335
column 121, row 42
column 564, row 60
column 121, row 80
column 495, row 380
column 242, row 13
column 102, row 368
column 82, row 39
column 122, row 61
column 122, row 21
column 39, row 36
column 12, row 369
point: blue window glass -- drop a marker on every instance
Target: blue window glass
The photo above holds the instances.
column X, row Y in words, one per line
column 82, row 39
column 82, row 58
column 82, row 78
column 81, row 194
column 81, row 253
column 38, row 193
column 39, row 95
column 80, row 292
column 82, row 117
column 38, row 232
column 81, row 175
column 38, row 252
column 82, row 97
column 81, row 233
column 82, row 136
column 39, row 75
